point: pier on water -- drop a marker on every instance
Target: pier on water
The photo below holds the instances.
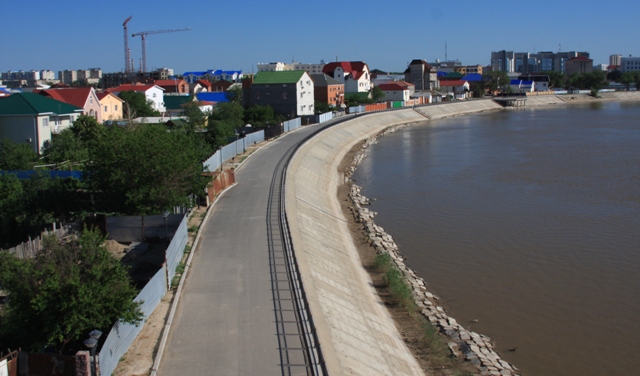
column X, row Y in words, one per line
column 511, row 101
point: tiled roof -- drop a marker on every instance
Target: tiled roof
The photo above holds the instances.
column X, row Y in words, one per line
column 75, row 96
column 170, row 83
column 452, row 83
column 354, row 68
column 283, row 77
column 580, row 58
column 103, row 95
column 204, row 83
column 33, row 104
column 395, row 85
column 142, row 88
column 323, row 80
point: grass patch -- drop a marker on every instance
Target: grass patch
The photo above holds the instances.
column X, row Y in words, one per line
column 193, row 228
column 187, row 249
column 440, row 354
column 180, row 268
column 393, row 278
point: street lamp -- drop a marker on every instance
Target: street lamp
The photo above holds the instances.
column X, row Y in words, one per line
column 91, row 343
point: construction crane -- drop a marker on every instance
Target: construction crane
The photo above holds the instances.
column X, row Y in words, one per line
column 127, row 52
column 143, row 35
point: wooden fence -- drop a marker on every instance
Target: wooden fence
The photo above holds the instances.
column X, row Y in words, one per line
column 31, row 247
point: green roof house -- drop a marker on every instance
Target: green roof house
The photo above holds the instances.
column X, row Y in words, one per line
column 289, row 93
column 33, row 118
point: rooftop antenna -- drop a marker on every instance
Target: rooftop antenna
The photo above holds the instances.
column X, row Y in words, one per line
column 559, row 47
column 445, row 51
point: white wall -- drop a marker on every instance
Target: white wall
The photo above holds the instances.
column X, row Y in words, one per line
column 304, row 95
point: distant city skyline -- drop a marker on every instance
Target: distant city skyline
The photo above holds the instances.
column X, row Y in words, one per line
column 73, row 35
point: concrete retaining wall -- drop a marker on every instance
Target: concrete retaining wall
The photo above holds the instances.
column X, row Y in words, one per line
column 356, row 332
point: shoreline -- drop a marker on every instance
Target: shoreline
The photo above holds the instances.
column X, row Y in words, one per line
column 475, row 348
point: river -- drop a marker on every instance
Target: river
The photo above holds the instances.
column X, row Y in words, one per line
column 527, row 221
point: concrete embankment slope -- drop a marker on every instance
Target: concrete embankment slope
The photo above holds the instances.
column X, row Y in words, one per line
column 356, row 333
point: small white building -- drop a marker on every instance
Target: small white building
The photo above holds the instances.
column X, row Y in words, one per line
column 153, row 93
column 397, row 90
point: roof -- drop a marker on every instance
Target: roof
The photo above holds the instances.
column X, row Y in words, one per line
column 174, row 102
column 141, row 88
column 322, row 80
column 283, row 77
column 75, row 96
column 521, row 82
column 177, row 123
column 204, row 82
column 473, row 77
column 580, row 58
column 34, row 104
column 170, row 83
column 354, row 68
column 103, row 95
column 453, row 83
column 197, row 73
column 212, row 97
column 453, row 76
column 395, row 85
column 426, row 65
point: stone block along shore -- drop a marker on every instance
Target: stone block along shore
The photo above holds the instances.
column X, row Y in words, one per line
column 356, row 332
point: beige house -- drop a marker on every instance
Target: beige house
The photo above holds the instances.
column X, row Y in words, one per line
column 111, row 106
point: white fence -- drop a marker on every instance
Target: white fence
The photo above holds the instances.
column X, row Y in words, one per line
column 357, row 109
column 324, row 117
column 292, row 124
column 231, row 150
column 122, row 335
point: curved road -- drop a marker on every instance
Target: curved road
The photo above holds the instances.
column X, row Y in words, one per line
column 235, row 315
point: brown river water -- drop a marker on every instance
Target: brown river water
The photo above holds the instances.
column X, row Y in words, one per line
column 527, row 221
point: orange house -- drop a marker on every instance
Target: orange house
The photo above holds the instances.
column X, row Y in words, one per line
column 173, row 86
column 328, row 90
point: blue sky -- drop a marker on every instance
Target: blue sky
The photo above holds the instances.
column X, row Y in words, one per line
column 74, row 34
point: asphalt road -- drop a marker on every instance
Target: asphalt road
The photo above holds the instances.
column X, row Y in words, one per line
column 225, row 322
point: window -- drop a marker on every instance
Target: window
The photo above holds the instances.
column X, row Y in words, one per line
column 284, row 95
column 45, row 122
column 258, row 96
column 154, row 95
column 115, row 107
column 106, row 109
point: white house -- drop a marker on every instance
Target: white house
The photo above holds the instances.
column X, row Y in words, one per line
column 353, row 74
column 397, row 90
column 457, row 89
column 153, row 93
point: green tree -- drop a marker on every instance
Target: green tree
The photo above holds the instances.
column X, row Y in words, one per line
column 66, row 146
column 11, row 207
column 556, row 79
column 377, row 94
column 136, row 105
column 321, row 107
column 87, row 129
column 195, row 117
column 15, row 156
column 630, row 78
column 146, row 170
column 260, row 116
column 614, row 75
column 496, row 80
column 63, row 293
column 234, row 95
